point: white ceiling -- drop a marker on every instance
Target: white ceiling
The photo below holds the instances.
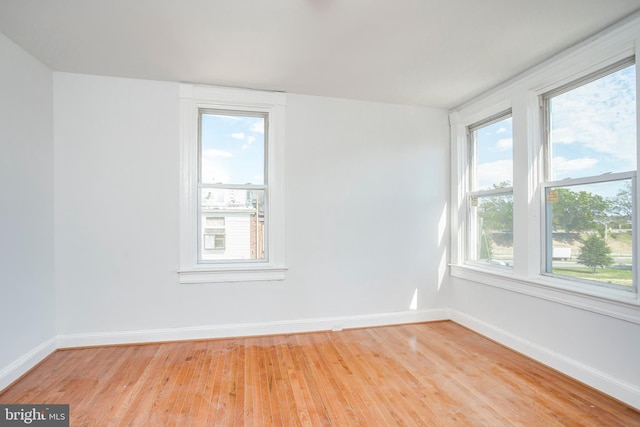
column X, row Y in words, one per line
column 436, row 53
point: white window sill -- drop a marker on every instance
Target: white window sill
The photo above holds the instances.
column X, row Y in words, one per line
column 210, row 274
column 610, row 302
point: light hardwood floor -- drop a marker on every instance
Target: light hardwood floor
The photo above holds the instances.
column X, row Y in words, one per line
column 438, row 374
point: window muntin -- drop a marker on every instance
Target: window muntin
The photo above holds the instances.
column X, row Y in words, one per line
column 232, row 184
column 490, row 225
column 589, row 195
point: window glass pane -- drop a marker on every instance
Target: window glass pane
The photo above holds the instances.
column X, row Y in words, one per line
column 493, row 147
column 212, row 242
column 591, row 232
column 241, row 214
column 232, row 149
column 493, row 234
column 593, row 127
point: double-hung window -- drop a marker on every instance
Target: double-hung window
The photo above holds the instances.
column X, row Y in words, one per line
column 590, row 185
column 490, row 196
column 550, row 209
column 232, row 202
column 232, row 185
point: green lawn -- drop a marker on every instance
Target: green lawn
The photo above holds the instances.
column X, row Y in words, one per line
column 611, row 275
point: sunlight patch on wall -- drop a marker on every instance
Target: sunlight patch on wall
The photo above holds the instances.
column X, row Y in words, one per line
column 414, row 301
column 442, row 246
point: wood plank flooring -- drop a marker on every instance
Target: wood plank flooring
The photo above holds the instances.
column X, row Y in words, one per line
column 434, row 374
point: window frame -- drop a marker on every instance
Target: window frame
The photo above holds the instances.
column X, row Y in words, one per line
column 546, row 258
column 264, row 187
column 193, row 99
column 473, row 193
column 523, row 95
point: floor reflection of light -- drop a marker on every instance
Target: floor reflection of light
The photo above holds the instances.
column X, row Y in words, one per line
column 413, row 343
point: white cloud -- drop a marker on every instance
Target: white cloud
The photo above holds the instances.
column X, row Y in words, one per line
column 495, row 172
column 216, row 153
column 563, row 136
column 599, row 116
column 504, row 144
column 214, row 172
column 566, row 168
column 238, row 135
column 501, row 130
column 257, row 127
column 250, row 140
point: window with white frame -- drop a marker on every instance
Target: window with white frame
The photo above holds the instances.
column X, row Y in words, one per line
column 490, row 196
column 574, row 193
column 232, row 201
column 232, row 183
column 590, row 185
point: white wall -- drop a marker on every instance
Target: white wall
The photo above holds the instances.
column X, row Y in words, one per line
column 27, row 304
column 366, row 206
column 597, row 349
column 589, row 333
column 366, row 191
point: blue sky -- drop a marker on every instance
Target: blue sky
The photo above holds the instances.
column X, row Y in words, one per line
column 593, row 132
column 232, row 149
column 495, row 154
column 594, row 127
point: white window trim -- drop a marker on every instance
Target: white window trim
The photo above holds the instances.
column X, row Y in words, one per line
column 524, row 95
column 192, row 98
column 472, row 166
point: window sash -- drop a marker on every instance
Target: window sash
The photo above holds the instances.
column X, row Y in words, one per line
column 265, row 215
column 546, row 259
column 264, row 188
column 547, row 97
column 472, row 251
column 475, row 231
column 237, row 113
column 547, row 223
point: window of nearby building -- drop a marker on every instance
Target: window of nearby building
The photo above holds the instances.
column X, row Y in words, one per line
column 490, row 199
column 232, row 202
column 213, row 235
column 590, row 182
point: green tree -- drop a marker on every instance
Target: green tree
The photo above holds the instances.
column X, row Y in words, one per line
column 595, row 253
column 577, row 211
column 497, row 211
column 621, row 205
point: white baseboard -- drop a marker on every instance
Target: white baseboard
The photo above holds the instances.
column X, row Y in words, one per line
column 249, row 329
column 615, row 387
column 22, row 365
